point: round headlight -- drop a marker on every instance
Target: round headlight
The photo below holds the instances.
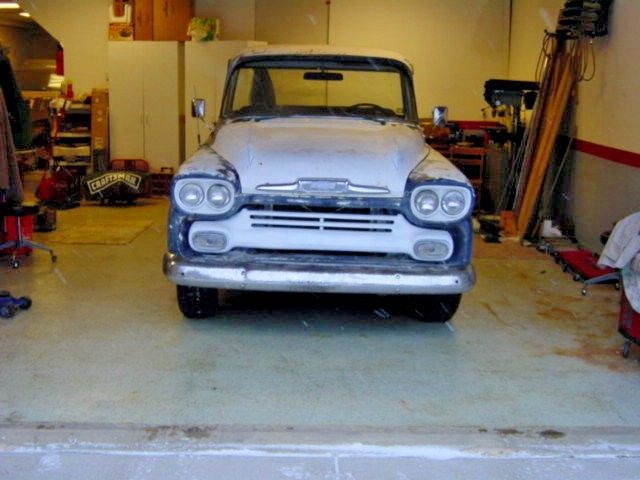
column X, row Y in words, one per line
column 218, row 196
column 191, row 194
column 426, row 202
column 453, row 203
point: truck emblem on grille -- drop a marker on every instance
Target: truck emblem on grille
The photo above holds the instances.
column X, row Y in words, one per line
column 330, row 186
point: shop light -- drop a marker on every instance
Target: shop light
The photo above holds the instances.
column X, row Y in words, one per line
column 9, row 5
column 25, row 14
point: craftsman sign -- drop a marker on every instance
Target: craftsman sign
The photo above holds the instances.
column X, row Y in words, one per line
column 109, row 179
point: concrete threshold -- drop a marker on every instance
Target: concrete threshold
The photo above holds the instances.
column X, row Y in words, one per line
column 93, row 451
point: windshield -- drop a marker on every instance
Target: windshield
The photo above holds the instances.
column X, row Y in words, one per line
column 271, row 89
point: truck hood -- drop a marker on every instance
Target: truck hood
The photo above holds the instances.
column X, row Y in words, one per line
column 366, row 156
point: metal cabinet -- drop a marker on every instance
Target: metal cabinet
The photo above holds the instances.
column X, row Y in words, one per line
column 146, row 102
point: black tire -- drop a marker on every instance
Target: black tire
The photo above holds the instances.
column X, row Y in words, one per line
column 25, row 303
column 436, row 308
column 196, row 302
column 7, row 311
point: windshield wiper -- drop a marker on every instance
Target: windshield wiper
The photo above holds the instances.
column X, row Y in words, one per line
column 259, row 118
column 364, row 117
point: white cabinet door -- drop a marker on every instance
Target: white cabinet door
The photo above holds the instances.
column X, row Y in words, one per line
column 126, row 102
column 162, row 99
column 204, row 77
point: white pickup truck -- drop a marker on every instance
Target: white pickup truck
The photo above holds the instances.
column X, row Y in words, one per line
column 317, row 178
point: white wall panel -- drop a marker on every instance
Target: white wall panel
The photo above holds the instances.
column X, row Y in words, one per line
column 454, row 45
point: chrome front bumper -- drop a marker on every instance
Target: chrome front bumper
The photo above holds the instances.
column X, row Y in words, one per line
column 303, row 274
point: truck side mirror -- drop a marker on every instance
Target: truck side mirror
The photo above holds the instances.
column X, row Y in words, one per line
column 198, row 108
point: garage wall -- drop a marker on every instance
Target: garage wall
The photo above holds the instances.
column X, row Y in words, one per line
column 238, row 17
column 81, row 27
column 606, row 162
column 284, row 21
column 450, row 69
column 529, row 19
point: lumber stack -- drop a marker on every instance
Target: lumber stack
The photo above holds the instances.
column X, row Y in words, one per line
column 564, row 51
column 542, row 139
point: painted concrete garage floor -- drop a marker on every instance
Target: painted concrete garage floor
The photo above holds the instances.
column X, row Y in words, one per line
column 526, row 358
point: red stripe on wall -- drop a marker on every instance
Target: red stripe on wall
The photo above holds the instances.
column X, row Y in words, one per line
column 608, row 153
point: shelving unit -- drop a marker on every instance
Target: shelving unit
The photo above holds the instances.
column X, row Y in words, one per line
column 72, row 142
column 470, row 161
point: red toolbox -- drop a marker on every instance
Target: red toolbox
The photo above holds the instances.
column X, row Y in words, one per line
column 10, row 228
column 628, row 324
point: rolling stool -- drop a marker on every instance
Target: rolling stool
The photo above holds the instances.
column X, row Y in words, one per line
column 16, row 213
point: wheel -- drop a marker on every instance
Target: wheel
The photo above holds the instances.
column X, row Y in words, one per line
column 15, row 264
column 54, row 258
column 584, row 292
column 197, row 302
column 626, row 348
column 577, row 277
column 7, row 311
column 24, row 303
column 617, row 286
column 436, row 308
column 565, row 268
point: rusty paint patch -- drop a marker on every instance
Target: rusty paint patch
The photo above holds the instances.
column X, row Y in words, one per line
column 508, row 431
column 552, row 434
column 154, row 432
column 196, row 432
column 46, row 426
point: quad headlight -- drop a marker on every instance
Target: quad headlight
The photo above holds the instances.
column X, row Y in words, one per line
column 191, row 194
column 426, row 202
column 204, row 195
column 453, row 203
column 441, row 203
column 219, row 196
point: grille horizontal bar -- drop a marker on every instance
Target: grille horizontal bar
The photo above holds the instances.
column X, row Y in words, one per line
column 323, row 221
